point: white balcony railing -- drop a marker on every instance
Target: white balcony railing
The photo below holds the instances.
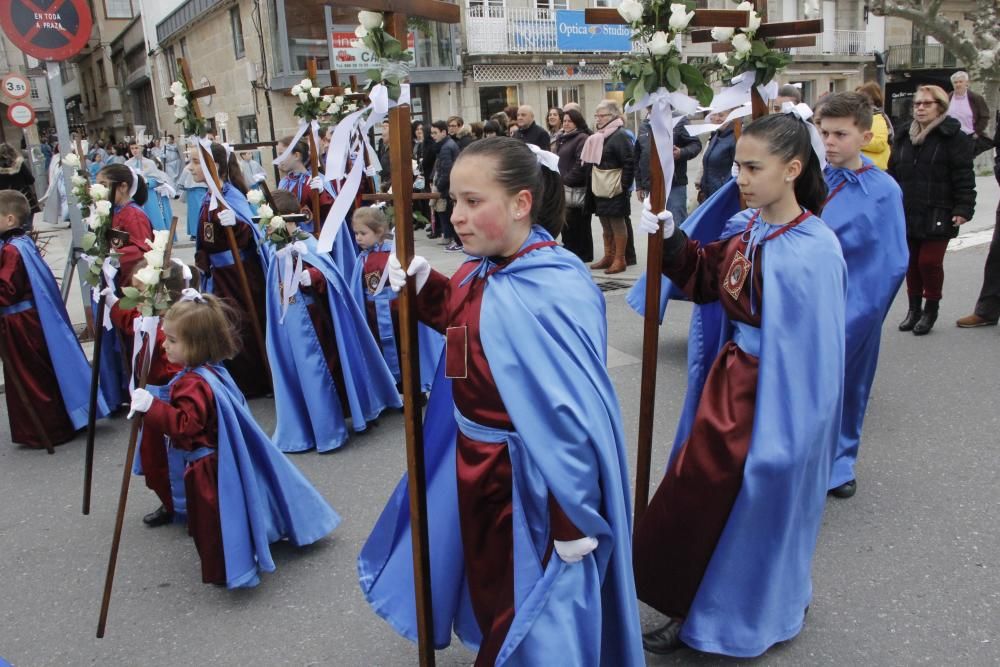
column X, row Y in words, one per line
column 840, row 42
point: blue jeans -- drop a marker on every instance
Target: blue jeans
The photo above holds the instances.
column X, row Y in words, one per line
column 677, row 203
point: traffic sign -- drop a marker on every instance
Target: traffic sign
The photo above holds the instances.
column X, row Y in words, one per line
column 55, row 32
column 16, row 86
column 21, row 114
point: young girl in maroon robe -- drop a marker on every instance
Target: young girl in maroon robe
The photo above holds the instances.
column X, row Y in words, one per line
column 130, row 227
column 220, row 274
column 297, row 179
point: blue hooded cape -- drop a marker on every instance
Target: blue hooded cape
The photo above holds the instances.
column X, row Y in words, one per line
column 345, row 249
column 430, row 342
column 68, row 360
column 758, row 582
column 195, row 196
column 263, row 497
column 867, row 217
column 568, row 442
column 308, row 407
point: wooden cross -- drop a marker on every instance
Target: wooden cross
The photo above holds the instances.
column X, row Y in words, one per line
column 401, row 155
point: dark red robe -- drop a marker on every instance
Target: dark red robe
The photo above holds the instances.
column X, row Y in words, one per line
column 674, row 542
column 28, row 358
column 247, row 367
column 190, row 421
column 483, row 468
column 152, row 449
column 132, row 220
column 371, row 275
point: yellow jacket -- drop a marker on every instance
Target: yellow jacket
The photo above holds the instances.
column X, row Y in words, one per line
column 878, row 148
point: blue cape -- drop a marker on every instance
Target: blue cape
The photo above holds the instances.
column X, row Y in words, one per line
column 572, row 447
column 430, row 342
column 308, row 407
column 263, row 497
column 345, row 249
column 195, row 196
column 867, row 217
column 68, row 360
column 157, row 207
column 758, row 583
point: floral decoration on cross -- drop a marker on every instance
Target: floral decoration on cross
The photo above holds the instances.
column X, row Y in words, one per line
column 95, row 243
column 148, row 298
column 749, row 53
column 184, row 112
column 275, row 227
column 394, row 59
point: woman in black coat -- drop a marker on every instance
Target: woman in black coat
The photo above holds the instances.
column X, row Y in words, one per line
column 576, row 235
column 932, row 162
column 15, row 174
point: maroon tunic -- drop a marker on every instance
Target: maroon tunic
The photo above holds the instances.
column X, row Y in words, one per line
column 674, row 542
column 371, row 276
column 152, row 449
column 133, row 221
column 28, row 358
column 190, row 421
column 213, row 256
column 326, row 332
column 485, row 482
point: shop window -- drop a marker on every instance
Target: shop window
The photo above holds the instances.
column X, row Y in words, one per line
column 248, row 129
column 557, row 96
column 494, row 99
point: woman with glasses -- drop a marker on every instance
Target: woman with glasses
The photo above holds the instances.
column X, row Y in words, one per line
column 932, row 162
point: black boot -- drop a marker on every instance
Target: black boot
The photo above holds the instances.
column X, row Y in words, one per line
column 927, row 320
column 913, row 316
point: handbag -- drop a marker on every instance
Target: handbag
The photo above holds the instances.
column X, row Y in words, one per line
column 575, row 196
column 606, row 183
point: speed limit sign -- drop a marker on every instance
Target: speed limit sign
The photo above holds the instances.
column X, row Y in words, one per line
column 16, row 86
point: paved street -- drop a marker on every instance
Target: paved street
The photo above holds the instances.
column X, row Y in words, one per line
column 907, row 572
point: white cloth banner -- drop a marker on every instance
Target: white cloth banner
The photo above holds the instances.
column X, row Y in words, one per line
column 143, row 328
column 216, row 195
column 661, row 122
column 289, row 268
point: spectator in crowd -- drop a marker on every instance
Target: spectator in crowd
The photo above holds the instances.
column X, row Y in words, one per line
column 446, row 155
column 385, row 166
column 686, row 148
column 610, row 151
column 501, row 119
column 173, row 160
column 47, row 152
column 553, row 122
column 528, row 131
column 717, row 163
column 572, row 105
column 512, row 128
column 15, row 174
column 879, row 148
column 511, row 113
column 458, row 131
column 492, row 129
column 477, row 130
column 970, row 110
column 421, row 142
column 787, row 93
column 932, row 162
column 576, row 234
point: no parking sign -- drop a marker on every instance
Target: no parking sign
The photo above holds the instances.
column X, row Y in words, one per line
column 47, row 29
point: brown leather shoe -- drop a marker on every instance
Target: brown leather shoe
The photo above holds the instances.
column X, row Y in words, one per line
column 972, row 321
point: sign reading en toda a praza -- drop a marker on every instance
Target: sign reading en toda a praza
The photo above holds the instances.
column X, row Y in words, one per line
column 47, row 29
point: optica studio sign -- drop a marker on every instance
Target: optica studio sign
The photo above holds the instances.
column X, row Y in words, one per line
column 574, row 34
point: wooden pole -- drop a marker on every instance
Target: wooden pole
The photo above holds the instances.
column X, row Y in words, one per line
column 400, row 151
column 314, row 159
column 95, row 376
column 22, row 394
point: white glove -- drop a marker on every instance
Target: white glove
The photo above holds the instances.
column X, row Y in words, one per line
column 305, row 280
column 574, row 550
column 142, row 400
column 227, row 218
column 165, row 190
column 316, row 183
column 419, row 268
column 259, row 178
column 649, row 222
column 110, row 298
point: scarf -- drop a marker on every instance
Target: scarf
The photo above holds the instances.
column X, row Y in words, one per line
column 594, row 148
column 917, row 136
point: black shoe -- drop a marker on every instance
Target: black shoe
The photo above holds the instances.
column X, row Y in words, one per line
column 927, row 320
column 434, row 235
column 913, row 316
column 845, row 490
column 664, row 640
column 161, row 517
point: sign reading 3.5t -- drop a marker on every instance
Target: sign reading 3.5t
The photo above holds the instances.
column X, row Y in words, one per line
column 16, row 86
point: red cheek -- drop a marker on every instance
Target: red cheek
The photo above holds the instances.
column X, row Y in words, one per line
column 492, row 230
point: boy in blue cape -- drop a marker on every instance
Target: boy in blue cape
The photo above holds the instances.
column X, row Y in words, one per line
column 865, row 210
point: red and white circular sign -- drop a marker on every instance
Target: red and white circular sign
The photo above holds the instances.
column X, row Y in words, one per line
column 21, row 114
column 16, row 86
column 53, row 30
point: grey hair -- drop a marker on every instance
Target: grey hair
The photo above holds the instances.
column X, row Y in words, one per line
column 958, row 76
column 611, row 106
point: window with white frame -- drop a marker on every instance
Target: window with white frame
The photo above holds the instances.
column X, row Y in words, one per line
column 557, row 96
column 237, row 25
column 118, row 9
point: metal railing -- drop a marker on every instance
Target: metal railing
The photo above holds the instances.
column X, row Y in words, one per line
column 839, row 42
column 919, row 56
column 500, row 29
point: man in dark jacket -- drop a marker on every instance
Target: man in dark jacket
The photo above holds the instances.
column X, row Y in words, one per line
column 686, row 148
column 970, row 110
column 528, row 131
column 447, row 153
column 382, row 150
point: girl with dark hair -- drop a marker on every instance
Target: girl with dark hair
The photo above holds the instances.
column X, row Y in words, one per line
column 130, row 225
column 538, row 464
column 297, row 179
column 725, row 547
column 220, row 275
column 576, row 236
column 554, row 123
column 491, row 128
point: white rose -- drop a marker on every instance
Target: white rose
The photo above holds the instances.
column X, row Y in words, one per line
column 328, row 99
column 154, row 259
column 754, row 22
column 335, row 108
column 277, row 223
column 296, row 90
column 177, row 87
column 264, row 211
column 745, row 6
column 78, row 180
column 160, row 238
column 179, row 113
column 631, row 10
column 742, row 44
column 103, row 207
column 361, row 32
column 660, row 44
column 303, row 97
column 679, row 17
column 72, row 160
column 305, row 84
column 98, row 191
column 255, row 197
column 314, row 91
column 94, row 223
column 148, row 276
column 180, row 101
column 722, row 58
column 370, row 20
column 339, row 99
column 722, row 34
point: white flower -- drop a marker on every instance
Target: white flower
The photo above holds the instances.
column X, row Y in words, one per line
column 277, row 223
column 305, row 84
column 335, row 108
column 347, row 91
column 98, row 191
column 631, row 10
column 339, row 99
column 370, row 20
column 742, row 45
column 255, row 197
column 78, row 180
column 177, row 88
column 94, row 222
column 723, row 58
column 148, row 276
column 314, row 91
column 103, row 207
column 72, row 160
column 745, row 6
column 180, row 101
column 160, row 239
column 361, row 32
column 296, row 90
column 328, row 99
column 179, row 113
column 660, row 44
column 264, row 211
column 722, row 34
column 154, row 259
column 303, row 97
column 679, row 17
column 754, row 22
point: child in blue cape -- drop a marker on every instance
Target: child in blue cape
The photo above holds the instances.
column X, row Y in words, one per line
column 527, row 490
column 242, row 493
column 325, row 364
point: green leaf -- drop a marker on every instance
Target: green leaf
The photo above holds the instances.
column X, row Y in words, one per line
column 673, row 78
column 630, row 89
column 395, row 90
column 127, row 303
column 88, row 241
column 131, row 292
column 704, row 94
column 691, row 76
column 758, row 48
column 373, row 74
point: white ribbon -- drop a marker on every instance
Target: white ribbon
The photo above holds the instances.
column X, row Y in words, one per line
column 738, row 94
column 135, row 181
column 148, row 326
column 216, row 198
column 546, row 159
column 341, row 205
column 185, row 270
column 191, row 294
column 289, row 268
column 661, row 124
column 109, row 270
column 804, row 113
column 380, row 101
column 290, row 148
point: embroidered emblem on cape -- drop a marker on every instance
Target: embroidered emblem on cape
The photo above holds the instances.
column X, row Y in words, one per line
column 372, row 279
column 118, row 238
column 737, row 274
column 209, row 232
